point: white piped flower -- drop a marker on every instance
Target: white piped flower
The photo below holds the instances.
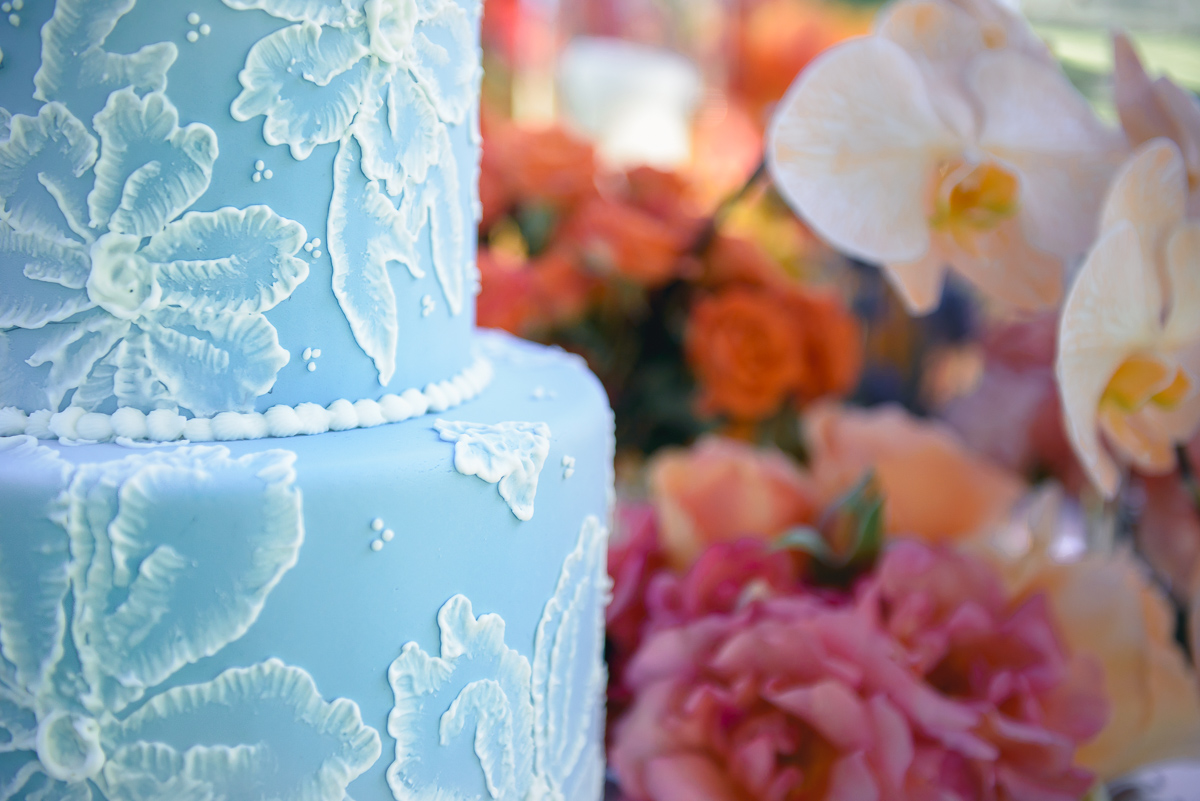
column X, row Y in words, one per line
column 122, row 282
column 390, row 25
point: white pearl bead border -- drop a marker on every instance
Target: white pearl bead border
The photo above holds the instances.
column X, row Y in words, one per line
column 76, row 426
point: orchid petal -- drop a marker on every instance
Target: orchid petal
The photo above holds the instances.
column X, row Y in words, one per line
column 1035, row 121
column 1006, row 267
column 1149, row 192
column 853, row 147
column 919, row 283
column 1183, row 278
column 1111, row 313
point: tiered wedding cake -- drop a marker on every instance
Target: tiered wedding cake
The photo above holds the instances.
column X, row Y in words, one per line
column 276, row 522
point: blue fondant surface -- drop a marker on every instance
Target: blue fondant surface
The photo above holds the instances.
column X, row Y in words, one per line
column 344, row 611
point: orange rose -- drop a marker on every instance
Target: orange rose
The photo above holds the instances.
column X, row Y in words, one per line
column 733, row 259
column 521, row 296
column 617, row 237
column 744, row 349
column 506, row 297
column 721, row 490
column 935, row 489
column 521, row 165
column 778, row 39
column 832, row 342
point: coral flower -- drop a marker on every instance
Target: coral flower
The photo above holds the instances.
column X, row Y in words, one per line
column 936, row 489
column 946, row 139
column 1129, row 340
column 721, row 490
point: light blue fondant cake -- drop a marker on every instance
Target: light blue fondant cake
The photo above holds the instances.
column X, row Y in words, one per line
column 276, row 522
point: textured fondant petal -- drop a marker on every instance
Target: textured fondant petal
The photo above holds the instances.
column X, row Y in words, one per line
column 42, row 164
column 366, row 234
column 18, row 720
column 73, row 349
column 33, row 562
column 75, row 64
column 569, row 676
column 176, row 556
column 150, row 170
column 439, row 203
column 20, row 387
column 336, row 13
column 234, row 260
column 303, row 748
column 134, row 382
column 54, row 291
column 100, row 385
column 308, row 81
column 401, row 137
column 484, row 702
column 508, row 454
column 447, row 62
column 477, row 677
column 213, row 362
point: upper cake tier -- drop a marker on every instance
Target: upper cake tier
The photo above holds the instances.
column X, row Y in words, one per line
column 231, row 205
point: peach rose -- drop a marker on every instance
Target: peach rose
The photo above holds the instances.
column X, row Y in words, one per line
column 935, row 489
column 721, row 490
column 744, row 349
column 1110, row 610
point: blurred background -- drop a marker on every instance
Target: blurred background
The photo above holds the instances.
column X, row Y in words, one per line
column 625, row 217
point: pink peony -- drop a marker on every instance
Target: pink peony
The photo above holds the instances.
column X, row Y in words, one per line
column 634, row 557
column 925, row 686
column 960, row 630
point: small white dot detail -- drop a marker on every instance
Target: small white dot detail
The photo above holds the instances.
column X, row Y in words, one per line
column 377, row 524
column 312, row 367
column 317, row 242
column 18, row 5
column 316, row 353
column 308, row 246
column 260, row 165
column 427, row 305
column 14, row 20
column 308, row 354
column 257, row 177
column 7, row 7
column 193, row 37
column 377, row 546
column 268, row 174
column 388, row 535
column 193, row 18
column 205, row 29
column 316, row 254
column 568, row 466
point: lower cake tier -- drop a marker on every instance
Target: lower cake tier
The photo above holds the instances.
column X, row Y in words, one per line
column 413, row 611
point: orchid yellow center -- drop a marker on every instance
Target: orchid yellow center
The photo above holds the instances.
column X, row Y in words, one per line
column 1145, row 379
column 973, row 199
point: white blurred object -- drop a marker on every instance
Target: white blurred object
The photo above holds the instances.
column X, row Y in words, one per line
column 1175, row 781
column 636, row 102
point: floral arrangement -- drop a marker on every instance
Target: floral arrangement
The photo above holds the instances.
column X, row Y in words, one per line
column 906, row 422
